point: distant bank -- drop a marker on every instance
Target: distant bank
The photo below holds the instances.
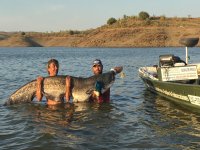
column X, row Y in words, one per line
column 126, row 32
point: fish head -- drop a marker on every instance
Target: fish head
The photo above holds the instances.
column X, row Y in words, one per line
column 105, row 81
column 83, row 88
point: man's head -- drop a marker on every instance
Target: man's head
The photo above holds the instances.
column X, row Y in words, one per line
column 52, row 67
column 97, row 67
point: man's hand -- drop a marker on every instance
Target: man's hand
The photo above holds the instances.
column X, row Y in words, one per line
column 118, row 69
column 39, row 79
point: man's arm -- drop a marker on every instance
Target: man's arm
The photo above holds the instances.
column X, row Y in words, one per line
column 39, row 88
column 68, row 90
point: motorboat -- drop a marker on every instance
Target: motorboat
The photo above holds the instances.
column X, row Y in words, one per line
column 174, row 78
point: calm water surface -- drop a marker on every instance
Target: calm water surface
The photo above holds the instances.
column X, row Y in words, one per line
column 135, row 118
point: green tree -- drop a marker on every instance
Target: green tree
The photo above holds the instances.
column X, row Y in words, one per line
column 23, row 33
column 111, row 21
column 71, row 32
column 143, row 15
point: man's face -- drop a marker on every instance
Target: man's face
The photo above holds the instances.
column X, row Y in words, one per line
column 97, row 69
column 52, row 69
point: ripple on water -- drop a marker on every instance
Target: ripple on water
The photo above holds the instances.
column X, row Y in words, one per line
column 135, row 118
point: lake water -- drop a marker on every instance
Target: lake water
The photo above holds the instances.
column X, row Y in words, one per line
column 134, row 119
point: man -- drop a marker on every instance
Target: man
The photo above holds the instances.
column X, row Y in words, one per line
column 52, row 69
column 97, row 68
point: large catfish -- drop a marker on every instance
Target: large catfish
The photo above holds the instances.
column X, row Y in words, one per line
column 54, row 88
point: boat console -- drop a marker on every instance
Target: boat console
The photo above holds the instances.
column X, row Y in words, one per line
column 172, row 68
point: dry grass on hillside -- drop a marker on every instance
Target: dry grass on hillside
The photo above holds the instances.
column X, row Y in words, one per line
column 127, row 32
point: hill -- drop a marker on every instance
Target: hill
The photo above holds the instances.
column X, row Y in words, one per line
column 126, row 32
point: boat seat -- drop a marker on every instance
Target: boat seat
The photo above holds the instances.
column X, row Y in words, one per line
column 179, row 64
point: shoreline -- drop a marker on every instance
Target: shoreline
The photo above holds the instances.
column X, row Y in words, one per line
column 127, row 33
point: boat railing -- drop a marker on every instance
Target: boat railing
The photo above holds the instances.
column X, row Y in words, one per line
column 188, row 72
column 144, row 71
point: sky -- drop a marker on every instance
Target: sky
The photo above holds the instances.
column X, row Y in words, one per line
column 62, row 15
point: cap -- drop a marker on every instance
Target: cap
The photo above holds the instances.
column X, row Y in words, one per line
column 97, row 62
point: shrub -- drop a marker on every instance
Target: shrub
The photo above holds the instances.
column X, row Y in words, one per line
column 162, row 17
column 23, row 33
column 147, row 21
column 143, row 15
column 111, row 21
column 71, row 32
column 125, row 16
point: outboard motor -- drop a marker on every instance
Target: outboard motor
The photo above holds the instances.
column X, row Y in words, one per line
column 169, row 60
column 166, row 60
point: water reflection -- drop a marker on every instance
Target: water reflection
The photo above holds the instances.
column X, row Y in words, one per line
column 134, row 119
column 60, row 115
column 170, row 121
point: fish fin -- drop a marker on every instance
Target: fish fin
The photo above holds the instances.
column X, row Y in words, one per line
column 7, row 102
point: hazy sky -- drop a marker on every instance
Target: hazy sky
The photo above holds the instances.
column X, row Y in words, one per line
column 56, row 15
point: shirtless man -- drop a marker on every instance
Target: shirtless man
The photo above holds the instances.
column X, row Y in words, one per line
column 52, row 68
